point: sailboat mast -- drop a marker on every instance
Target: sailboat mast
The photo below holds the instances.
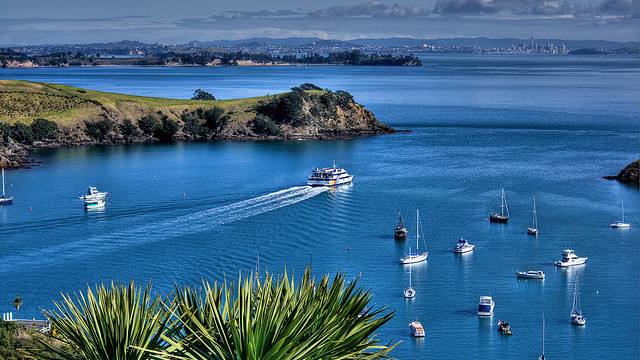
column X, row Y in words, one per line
column 2, row 182
column 502, row 202
column 409, row 276
column 622, row 202
column 417, row 230
column 542, row 335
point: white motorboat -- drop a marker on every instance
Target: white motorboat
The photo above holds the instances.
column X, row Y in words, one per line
column 94, row 199
column 533, row 229
column 530, row 274
column 621, row 224
column 417, row 330
column 463, row 246
column 409, row 292
column 485, row 306
column 503, row 216
column 576, row 314
column 4, row 199
column 332, row 176
column 411, row 257
column 569, row 258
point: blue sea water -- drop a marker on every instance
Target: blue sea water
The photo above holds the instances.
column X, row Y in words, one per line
column 548, row 127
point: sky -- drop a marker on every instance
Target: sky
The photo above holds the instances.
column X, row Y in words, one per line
column 179, row 21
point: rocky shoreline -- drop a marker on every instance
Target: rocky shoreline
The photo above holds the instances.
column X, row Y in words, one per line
column 629, row 175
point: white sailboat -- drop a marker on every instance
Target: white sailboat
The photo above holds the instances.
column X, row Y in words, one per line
column 5, row 200
column 533, row 229
column 412, row 258
column 542, row 355
column 621, row 224
column 409, row 292
column 576, row 314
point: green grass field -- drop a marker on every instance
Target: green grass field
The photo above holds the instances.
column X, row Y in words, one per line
column 24, row 101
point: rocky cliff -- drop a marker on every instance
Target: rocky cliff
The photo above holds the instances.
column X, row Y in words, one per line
column 629, row 175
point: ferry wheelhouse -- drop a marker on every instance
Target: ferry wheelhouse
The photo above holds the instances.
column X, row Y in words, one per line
column 332, row 176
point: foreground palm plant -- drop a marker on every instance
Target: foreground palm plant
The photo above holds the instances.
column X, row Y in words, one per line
column 112, row 323
column 274, row 319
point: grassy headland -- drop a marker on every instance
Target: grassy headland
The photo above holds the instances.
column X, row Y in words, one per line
column 46, row 115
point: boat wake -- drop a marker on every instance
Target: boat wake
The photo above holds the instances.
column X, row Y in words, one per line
column 162, row 230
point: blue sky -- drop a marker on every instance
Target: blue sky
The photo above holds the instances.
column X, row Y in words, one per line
column 75, row 21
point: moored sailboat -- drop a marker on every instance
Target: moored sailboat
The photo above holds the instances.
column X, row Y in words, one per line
column 621, row 224
column 5, row 200
column 576, row 314
column 410, row 257
column 503, row 216
column 409, row 292
column 533, row 229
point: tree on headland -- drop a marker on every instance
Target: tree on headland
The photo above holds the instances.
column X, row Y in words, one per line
column 200, row 94
column 44, row 129
column 148, row 124
column 17, row 303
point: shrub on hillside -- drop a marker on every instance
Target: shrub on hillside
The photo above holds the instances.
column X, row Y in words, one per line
column 263, row 124
column 99, row 129
column 128, row 129
column 149, row 124
column 215, row 119
column 44, row 129
column 167, row 129
column 21, row 133
column 193, row 125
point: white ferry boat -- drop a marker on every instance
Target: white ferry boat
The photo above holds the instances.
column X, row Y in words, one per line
column 485, row 306
column 417, row 330
column 569, row 258
column 332, row 176
column 94, row 199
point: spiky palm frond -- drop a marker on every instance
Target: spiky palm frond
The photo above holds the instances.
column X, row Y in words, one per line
column 275, row 319
column 110, row 323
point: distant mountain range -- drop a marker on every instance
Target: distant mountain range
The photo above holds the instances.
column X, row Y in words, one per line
column 410, row 42
column 482, row 42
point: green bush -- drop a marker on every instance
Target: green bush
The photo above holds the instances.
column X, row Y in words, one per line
column 263, row 124
column 21, row 133
column 44, row 129
column 128, row 129
column 99, row 129
column 193, row 125
column 149, row 124
column 215, row 119
column 167, row 129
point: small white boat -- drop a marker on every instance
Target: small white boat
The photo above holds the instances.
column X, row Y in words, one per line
column 503, row 216
column 400, row 232
column 576, row 314
column 569, row 258
column 416, row 328
column 5, row 200
column 530, row 274
column 332, row 176
column 410, row 257
column 485, row 306
column 621, row 224
column 94, row 199
column 463, row 246
column 533, row 229
column 409, row 292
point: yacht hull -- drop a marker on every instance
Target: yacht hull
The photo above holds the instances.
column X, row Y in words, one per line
column 332, row 182
column 414, row 259
column 497, row 218
column 579, row 261
column 6, row 200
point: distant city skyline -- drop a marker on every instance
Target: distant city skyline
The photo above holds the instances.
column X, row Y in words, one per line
column 74, row 21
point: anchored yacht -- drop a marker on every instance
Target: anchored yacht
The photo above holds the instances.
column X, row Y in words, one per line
column 332, row 176
column 463, row 246
column 530, row 274
column 418, row 256
column 94, row 199
column 569, row 258
column 621, row 224
column 485, row 306
column 4, row 199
